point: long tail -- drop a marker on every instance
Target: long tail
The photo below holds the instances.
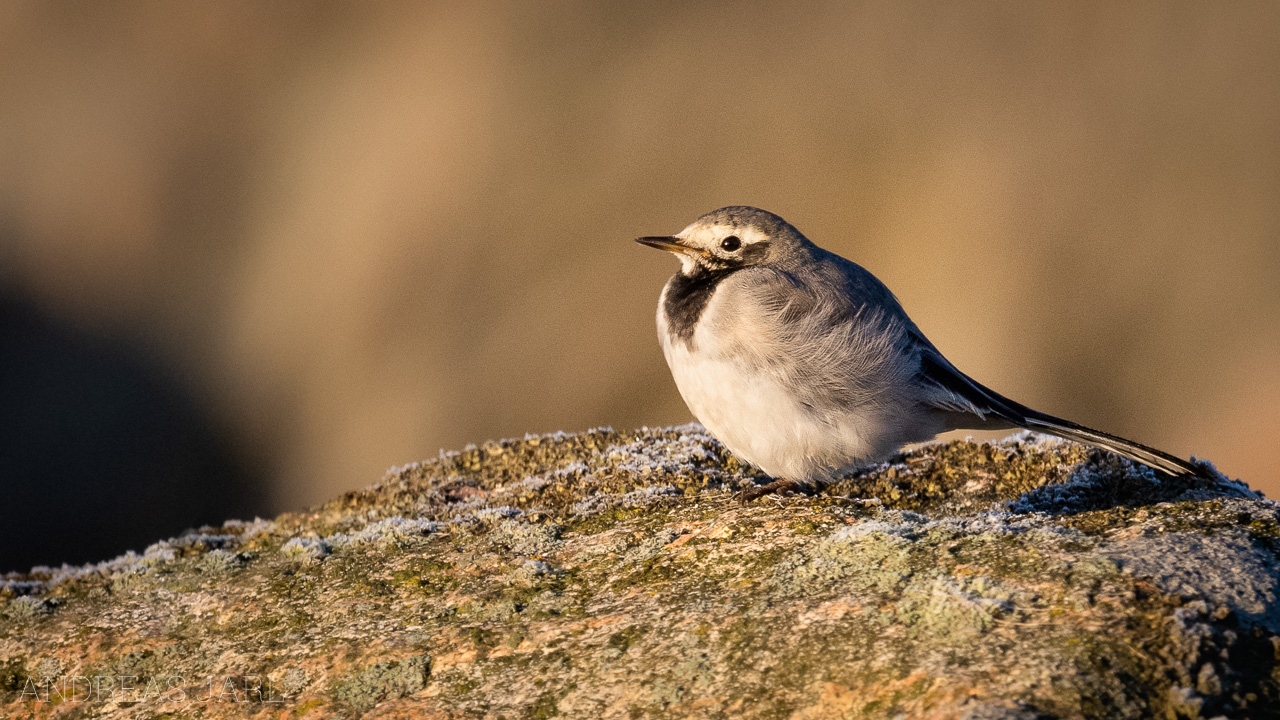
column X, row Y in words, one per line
column 987, row 405
column 1157, row 459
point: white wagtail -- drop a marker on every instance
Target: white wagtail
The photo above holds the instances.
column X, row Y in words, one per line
column 804, row 364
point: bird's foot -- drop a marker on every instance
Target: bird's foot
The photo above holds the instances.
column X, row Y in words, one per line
column 778, row 487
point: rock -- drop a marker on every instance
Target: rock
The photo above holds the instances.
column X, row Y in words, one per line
column 607, row 574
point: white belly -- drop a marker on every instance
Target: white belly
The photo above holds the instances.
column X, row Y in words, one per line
column 760, row 422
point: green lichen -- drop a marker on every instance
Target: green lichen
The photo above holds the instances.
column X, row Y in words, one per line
column 383, row 681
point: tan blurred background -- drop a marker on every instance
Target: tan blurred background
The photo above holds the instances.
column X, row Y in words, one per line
column 341, row 237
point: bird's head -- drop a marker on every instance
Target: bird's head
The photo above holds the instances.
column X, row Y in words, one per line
column 732, row 238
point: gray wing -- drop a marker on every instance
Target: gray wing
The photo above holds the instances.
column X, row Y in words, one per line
column 838, row 338
column 937, row 383
column 834, row 341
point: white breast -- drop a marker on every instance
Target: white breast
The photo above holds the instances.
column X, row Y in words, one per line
column 751, row 412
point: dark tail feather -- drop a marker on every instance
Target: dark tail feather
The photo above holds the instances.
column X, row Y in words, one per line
column 1157, row 459
column 995, row 407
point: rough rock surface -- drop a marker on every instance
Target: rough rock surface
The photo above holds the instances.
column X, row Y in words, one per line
column 615, row 575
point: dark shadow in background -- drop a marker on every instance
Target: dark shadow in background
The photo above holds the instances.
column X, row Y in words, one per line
column 99, row 450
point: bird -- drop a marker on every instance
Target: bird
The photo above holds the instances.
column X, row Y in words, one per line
column 805, row 365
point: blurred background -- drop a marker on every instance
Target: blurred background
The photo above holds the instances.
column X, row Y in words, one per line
column 252, row 253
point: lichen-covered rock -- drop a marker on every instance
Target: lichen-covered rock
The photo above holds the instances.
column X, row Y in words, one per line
column 605, row 574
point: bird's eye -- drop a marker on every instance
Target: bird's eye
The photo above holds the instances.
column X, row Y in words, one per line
column 731, row 243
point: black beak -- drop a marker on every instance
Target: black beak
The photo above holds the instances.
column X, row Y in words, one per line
column 670, row 243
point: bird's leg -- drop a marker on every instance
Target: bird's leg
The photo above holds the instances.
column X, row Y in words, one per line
column 778, row 487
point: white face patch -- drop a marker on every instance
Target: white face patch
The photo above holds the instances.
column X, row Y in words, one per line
column 708, row 237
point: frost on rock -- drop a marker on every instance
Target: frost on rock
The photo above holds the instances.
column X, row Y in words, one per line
column 599, row 502
column 1109, row 479
column 305, row 548
column 616, row 574
column 489, row 515
column 249, row 530
column 395, row 531
column 690, row 452
column 1228, row 569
